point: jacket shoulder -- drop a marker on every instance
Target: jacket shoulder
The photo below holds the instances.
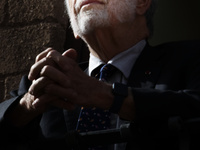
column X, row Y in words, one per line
column 192, row 45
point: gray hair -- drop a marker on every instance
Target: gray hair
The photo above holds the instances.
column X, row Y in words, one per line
column 149, row 17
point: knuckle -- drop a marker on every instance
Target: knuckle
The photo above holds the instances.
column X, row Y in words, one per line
column 45, row 70
column 32, row 88
column 49, row 49
column 42, row 54
column 37, row 58
column 51, row 53
column 33, row 67
column 48, row 59
column 32, row 72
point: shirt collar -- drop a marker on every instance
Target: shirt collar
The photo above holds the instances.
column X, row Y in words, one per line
column 123, row 61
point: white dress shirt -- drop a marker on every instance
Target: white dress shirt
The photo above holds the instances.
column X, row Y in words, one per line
column 123, row 62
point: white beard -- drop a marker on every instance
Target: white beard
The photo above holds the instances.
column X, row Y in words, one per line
column 89, row 20
column 117, row 11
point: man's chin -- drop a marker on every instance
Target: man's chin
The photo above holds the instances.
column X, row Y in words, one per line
column 94, row 19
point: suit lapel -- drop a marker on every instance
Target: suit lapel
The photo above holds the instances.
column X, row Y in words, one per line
column 147, row 68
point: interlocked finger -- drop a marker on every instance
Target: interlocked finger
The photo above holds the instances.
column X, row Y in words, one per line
column 38, row 86
column 48, row 60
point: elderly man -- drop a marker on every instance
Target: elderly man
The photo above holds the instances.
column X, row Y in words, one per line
column 143, row 85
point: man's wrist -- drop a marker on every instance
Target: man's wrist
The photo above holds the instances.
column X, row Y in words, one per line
column 120, row 92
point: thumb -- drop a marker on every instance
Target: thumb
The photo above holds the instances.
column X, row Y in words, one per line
column 71, row 53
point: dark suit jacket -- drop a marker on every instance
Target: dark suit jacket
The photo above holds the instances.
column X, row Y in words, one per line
column 165, row 83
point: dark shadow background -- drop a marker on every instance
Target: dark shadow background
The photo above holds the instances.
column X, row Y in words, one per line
column 176, row 20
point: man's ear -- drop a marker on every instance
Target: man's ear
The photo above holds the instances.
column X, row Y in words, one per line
column 142, row 6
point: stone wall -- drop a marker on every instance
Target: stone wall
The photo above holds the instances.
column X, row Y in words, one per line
column 27, row 27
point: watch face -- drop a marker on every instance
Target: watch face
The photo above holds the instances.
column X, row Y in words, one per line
column 120, row 89
column 120, row 92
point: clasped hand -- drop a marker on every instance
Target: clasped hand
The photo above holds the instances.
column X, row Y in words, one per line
column 59, row 81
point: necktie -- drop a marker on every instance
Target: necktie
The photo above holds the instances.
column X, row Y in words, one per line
column 106, row 72
column 92, row 119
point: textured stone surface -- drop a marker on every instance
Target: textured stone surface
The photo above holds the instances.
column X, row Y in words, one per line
column 1, row 89
column 27, row 27
column 11, row 83
column 2, row 10
column 27, row 11
column 20, row 45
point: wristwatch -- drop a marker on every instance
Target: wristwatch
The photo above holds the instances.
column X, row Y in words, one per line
column 120, row 92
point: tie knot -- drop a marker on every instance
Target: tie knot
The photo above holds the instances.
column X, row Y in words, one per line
column 106, row 72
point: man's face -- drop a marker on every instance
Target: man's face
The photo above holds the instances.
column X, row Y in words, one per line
column 88, row 15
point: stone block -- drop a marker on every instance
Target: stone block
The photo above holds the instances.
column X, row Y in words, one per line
column 2, row 89
column 19, row 46
column 11, row 84
column 26, row 11
column 2, row 10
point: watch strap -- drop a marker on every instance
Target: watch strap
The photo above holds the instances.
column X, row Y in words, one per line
column 120, row 92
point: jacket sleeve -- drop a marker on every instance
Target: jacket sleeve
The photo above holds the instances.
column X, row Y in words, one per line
column 7, row 131
column 156, row 107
